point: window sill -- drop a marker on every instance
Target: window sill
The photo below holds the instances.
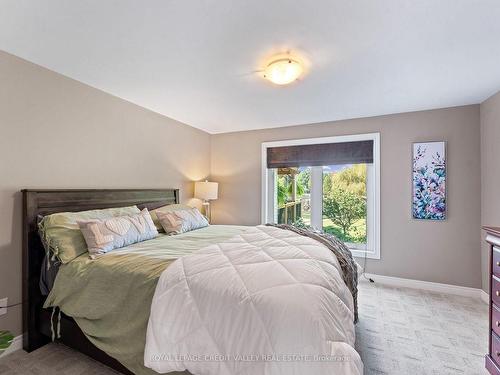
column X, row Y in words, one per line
column 364, row 253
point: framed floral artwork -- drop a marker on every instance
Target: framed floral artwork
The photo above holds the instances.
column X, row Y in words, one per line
column 429, row 181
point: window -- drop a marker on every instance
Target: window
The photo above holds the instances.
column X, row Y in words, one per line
column 330, row 183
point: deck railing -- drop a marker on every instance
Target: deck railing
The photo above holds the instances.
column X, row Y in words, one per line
column 289, row 212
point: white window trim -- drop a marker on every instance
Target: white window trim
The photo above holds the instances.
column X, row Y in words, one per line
column 375, row 137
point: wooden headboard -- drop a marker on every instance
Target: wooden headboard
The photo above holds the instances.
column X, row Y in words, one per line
column 46, row 202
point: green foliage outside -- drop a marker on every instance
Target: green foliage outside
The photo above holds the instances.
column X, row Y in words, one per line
column 282, row 192
column 356, row 234
column 352, row 178
column 284, row 186
column 304, row 181
column 344, row 203
column 344, row 208
column 5, row 340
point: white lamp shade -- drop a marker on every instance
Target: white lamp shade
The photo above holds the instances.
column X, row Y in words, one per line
column 206, row 190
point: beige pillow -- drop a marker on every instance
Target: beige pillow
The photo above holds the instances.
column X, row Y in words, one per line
column 168, row 208
column 62, row 236
column 105, row 235
column 181, row 221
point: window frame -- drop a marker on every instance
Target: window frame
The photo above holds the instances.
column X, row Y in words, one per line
column 373, row 216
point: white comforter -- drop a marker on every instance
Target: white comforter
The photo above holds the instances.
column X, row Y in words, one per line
column 265, row 302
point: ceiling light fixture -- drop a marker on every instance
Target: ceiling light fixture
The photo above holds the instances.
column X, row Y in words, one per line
column 283, row 71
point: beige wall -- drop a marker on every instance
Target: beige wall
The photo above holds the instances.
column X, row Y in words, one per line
column 58, row 133
column 490, row 173
column 445, row 252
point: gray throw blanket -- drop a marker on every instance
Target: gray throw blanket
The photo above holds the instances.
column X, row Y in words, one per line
column 340, row 250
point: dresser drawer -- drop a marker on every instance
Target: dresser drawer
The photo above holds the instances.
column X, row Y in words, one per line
column 495, row 347
column 496, row 261
column 495, row 319
column 495, row 290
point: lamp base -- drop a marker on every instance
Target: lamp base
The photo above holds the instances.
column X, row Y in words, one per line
column 208, row 212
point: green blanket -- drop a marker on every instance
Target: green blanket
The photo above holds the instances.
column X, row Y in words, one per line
column 110, row 297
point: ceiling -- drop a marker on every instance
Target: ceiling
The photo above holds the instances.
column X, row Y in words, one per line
column 196, row 60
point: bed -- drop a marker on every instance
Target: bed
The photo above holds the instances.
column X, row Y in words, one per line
column 109, row 323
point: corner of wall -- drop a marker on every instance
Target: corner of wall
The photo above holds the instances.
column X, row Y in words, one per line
column 489, row 121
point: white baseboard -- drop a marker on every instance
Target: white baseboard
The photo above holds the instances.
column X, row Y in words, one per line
column 430, row 286
column 16, row 345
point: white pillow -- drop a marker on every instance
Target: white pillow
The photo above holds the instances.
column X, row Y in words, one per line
column 167, row 208
column 181, row 221
column 104, row 235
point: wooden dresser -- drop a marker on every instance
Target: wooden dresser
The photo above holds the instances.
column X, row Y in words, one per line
column 493, row 356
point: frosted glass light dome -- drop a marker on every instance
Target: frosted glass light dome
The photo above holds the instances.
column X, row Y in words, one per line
column 283, row 71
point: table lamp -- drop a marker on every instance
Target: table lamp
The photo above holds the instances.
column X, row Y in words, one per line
column 206, row 191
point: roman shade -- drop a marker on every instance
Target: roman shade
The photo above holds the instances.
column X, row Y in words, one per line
column 320, row 154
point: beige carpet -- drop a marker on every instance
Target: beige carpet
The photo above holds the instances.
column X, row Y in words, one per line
column 405, row 331
column 401, row 331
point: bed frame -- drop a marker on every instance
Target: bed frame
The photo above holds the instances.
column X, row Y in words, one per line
column 36, row 319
